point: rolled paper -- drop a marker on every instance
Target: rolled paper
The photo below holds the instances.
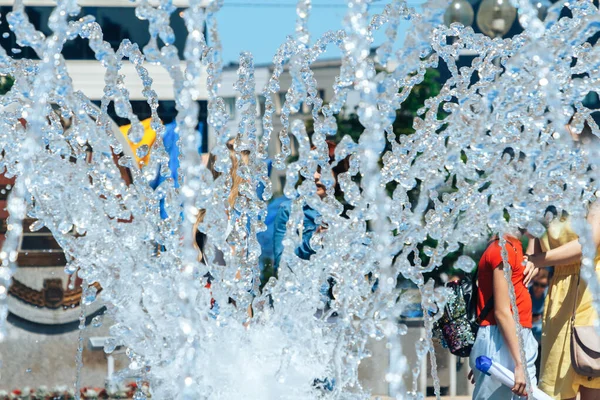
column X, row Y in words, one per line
column 504, row 376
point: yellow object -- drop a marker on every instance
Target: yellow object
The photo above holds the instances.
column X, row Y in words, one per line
column 148, row 140
column 558, row 379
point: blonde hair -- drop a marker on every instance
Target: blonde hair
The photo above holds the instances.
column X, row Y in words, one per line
column 236, row 181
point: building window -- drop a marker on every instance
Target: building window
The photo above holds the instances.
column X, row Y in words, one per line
column 279, row 102
column 304, row 108
column 230, row 106
column 322, row 94
column 261, row 104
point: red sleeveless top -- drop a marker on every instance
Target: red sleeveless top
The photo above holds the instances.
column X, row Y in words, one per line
column 490, row 260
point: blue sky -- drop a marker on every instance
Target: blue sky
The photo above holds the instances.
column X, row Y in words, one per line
column 245, row 25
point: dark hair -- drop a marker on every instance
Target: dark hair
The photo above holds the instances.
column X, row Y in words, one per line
column 340, row 168
column 343, row 165
column 543, row 273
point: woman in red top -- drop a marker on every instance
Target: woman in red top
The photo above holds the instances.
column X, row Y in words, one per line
column 497, row 336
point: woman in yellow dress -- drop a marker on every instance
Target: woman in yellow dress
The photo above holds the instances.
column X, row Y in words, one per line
column 560, row 248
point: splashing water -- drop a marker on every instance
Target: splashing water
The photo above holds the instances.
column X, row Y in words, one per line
column 495, row 159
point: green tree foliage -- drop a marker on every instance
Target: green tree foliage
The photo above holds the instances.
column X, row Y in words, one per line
column 348, row 124
column 6, row 83
column 430, row 87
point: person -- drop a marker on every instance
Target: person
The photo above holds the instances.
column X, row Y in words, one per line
column 147, row 141
column 497, row 336
column 559, row 247
column 309, row 226
column 304, row 251
column 169, row 138
column 236, row 182
column 538, row 291
column 200, row 241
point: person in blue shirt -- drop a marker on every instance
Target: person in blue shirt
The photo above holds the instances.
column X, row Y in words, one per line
column 304, row 251
column 538, row 291
column 309, row 226
column 200, row 241
column 170, row 138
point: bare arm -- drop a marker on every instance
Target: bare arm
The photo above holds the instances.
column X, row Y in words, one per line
column 506, row 323
column 533, row 246
column 531, row 270
column 569, row 253
column 503, row 314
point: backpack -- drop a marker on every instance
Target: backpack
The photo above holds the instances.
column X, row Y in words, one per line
column 458, row 326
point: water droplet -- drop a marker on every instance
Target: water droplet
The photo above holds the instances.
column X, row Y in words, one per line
column 110, row 345
column 536, row 229
column 139, row 395
column 429, row 251
column 71, row 268
column 330, row 126
column 36, row 226
column 5, row 35
column 142, row 151
column 89, row 295
column 402, row 329
column 97, row 321
column 136, row 133
column 465, row 263
column 65, row 227
column 134, row 365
